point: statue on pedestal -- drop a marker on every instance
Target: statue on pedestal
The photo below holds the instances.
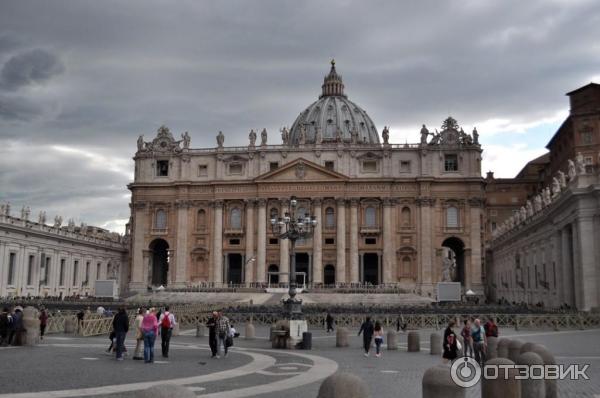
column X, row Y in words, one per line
column 25, row 211
column 562, row 178
column 186, row 140
column 555, row 187
column 547, row 196
column 318, row 136
column 302, row 135
column 529, row 207
column 523, row 212
column 220, row 139
column 475, row 136
column 57, row 221
column 424, row 134
column 447, row 269
column 571, row 172
column 263, row 137
column 285, row 135
column 252, row 138
column 537, row 203
column 579, row 161
column 385, row 135
column 140, row 143
column 42, row 217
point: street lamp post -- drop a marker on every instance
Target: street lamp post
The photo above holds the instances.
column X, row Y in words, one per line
column 293, row 227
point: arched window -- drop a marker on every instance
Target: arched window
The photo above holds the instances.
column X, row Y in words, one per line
column 235, row 218
column 201, row 221
column 329, row 217
column 406, row 220
column 406, row 266
column 160, row 219
column 452, row 217
column 370, row 219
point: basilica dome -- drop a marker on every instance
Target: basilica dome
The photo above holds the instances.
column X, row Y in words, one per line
column 333, row 118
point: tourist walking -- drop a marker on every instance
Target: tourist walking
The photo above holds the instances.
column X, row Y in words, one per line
column 43, row 322
column 467, row 339
column 16, row 326
column 121, row 327
column 150, row 330
column 211, row 324
column 80, row 316
column 329, row 321
column 4, row 326
column 139, row 335
column 450, row 348
column 479, row 341
column 223, row 332
column 166, row 322
column 378, row 333
column 491, row 329
column 367, row 331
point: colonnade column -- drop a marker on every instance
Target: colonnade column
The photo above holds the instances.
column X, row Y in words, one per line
column 354, row 263
column 182, row 243
column 340, row 268
column 388, row 240
column 217, row 252
column 317, row 274
column 261, row 250
column 587, row 283
column 284, row 248
column 566, row 284
column 249, row 265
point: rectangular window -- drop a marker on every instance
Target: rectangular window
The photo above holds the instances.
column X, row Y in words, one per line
column 369, row 166
column 405, row 166
column 202, row 170
column 47, row 272
column 273, row 241
column 162, row 168
column 30, row 265
column 11, row 268
column 234, row 241
column 235, row 168
column 451, row 163
column 61, row 277
column 370, row 241
column 452, row 217
column 329, row 165
column 329, row 241
column 273, row 166
column 586, row 137
column 75, row 270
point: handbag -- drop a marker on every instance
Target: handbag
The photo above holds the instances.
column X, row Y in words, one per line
column 229, row 341
column 458, row 345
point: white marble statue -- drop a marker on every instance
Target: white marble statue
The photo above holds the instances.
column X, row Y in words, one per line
column 547, row 196
column 562, row 179
column 57, row 221
column 186, row 140
column 447, row 268
column 571, row 172
column 285, row 135
column 252, row 137
column 385, row 134
column 140, row 143
column 318, row 136
column 475, row 136
column 263, row 137
column 537, row 203
column 424, row 134
column 523, row 212
column 25, row 212
column 580, row 163
column 529, row 207
column 555, row 187
column 220, row 139
column 42, row 217
column 302, row 135
column 71, row 225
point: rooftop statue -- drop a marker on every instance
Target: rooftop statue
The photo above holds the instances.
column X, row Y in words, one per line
column 220, row 139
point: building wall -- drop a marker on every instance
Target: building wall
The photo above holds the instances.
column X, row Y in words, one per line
column 49, row 245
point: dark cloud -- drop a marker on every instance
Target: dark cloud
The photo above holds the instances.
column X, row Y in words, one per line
column 208, row 66
column 32, row 67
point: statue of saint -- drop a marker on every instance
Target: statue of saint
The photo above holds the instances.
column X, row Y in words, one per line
column 285, row 135
column 523, row 212
column 446, row 270
column 318, row 136
column 529, row 207
column 42, row 217
column 252, row 137
column 555, row 187
column 263, row 137
column 571, row 172
column 186, row 140
column 547, row 196
column 562, row 178
column 57, row 221
column 140, row 143
column 424, row 134
column 580, row 163
column 302, row 135
column 475, row 136
column 385, row 135
column 537, row 203
column 338, row 135
column 220, row 139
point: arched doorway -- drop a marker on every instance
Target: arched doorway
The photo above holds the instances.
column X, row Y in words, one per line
column 455, row 255
column 371, row 268
column 160, row 262
column 329, row 275
column 273, row 277
column 302, row 265
column 234, row 268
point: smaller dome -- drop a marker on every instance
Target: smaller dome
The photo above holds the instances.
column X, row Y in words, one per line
column 333, row 117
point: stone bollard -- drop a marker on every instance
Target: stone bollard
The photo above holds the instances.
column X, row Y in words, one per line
column 70, row 323
column 343, row 385
column 527, row 347
column 435, row 344
column 31, row 324
column 341, row 337
column 500, row 387
column 392, row 340
column 437, row 383
column 413, row 342
column 502, row 348
column 165, row 391
column 548, row 358
column 249, row 334
column 514, row 350
column 200, row 330
column 492, row 347
column 532, row 387
column 175, row 331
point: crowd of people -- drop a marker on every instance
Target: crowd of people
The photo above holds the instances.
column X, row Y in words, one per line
column 474, row 336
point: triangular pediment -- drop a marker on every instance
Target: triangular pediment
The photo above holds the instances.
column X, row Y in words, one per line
column 301, row 170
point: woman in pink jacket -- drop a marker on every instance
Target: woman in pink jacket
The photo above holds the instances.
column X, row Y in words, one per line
column 150, row 331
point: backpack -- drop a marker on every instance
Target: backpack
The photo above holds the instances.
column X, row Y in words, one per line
column 166, row 321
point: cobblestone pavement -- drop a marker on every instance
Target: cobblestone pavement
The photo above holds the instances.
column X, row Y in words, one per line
column 72, row 367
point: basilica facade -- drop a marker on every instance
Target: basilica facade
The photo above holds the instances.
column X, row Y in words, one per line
column 407, row 215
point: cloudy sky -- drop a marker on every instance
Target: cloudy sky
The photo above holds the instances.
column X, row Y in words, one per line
column 80, row 80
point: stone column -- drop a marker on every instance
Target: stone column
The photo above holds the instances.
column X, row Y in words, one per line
column 140, row 227
column 388, row 241
column 249, row 265
column 354, row 263
column 261, row 256
column 284, row 247
column 474, row 282
column 317, row 274
column 181, row 263
column 425, row 244
column 586, row 283
column 217, row 252
column 340, row 268
column 567, row 267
